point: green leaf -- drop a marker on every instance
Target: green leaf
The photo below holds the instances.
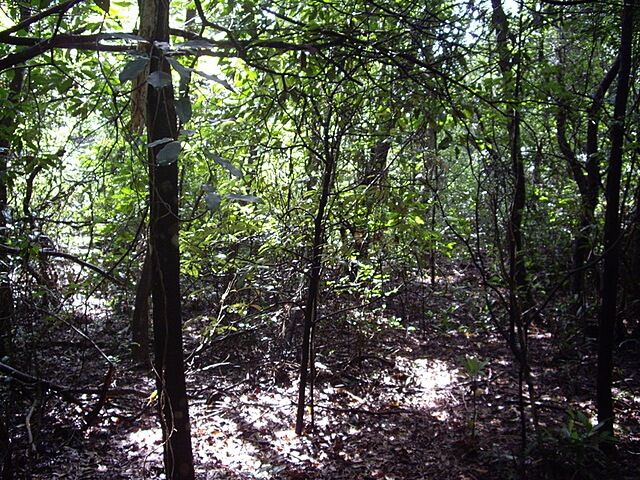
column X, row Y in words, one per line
column 134, row 68
column 104, row 5
column 160, row 142
column 445, row 142
column 216, row 79
column 125, row 36
column 183, row 109
column 235, row 171
column 64, row 85
column 213, row 201
column 169, row 153
column 159, row 79
column 184, row 72
column 243, row 198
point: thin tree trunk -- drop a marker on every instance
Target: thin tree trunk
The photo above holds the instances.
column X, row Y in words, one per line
column 165, row 256
column 608, row 306
column 140, row 315
column 8, row 123
column 588, row 180
column 307, row 363
column 6, row 292
column 521, row 304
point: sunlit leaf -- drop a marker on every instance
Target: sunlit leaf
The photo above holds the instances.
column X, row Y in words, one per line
column 159, row 79
column 132, row 69
column 169, row 153
column 235, row 171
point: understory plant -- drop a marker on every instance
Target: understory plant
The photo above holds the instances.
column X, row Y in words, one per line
column 573, row 449
column 473, row 368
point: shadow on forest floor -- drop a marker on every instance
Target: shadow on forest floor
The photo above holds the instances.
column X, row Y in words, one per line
column 392, row 401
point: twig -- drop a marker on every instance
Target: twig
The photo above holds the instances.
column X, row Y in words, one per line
column 90, row 418
column 31, row 380
column 62, row 8
column 56, row 387
column 83, row 335
column 53, row 253
column 27, row 424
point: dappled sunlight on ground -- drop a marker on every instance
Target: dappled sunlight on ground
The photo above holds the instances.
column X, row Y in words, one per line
column 432, row 377
column 250, row 434
column 393, row 400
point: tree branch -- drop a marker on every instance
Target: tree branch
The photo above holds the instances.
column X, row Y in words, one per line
column 38, row 46
column 29, row 379
column 63, row 7
column 570, row 3
column 68, row 256
column 243, row 45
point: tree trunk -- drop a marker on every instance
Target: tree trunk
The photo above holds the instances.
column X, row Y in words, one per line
column 608, row 306
column 521, row 305
column 588, row 180
column 6, row 292
column 7, row 123
column 165, row 255
column 140, row 315
column 307, row 367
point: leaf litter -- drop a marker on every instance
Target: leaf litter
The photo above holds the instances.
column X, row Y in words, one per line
column 391, row 401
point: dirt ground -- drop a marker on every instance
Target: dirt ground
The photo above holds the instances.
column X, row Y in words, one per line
column 420, row 386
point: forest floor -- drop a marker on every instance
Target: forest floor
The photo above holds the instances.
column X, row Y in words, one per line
column 395, row 398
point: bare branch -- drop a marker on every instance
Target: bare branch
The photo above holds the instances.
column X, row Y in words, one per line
column 68, row 256
column 63, row 7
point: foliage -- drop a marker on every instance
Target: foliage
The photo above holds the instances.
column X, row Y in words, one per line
column 575, row 447
column 415, row 103
column 473, row 369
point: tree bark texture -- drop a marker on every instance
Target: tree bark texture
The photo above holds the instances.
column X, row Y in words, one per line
column 165, row 256
column 612, row 230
